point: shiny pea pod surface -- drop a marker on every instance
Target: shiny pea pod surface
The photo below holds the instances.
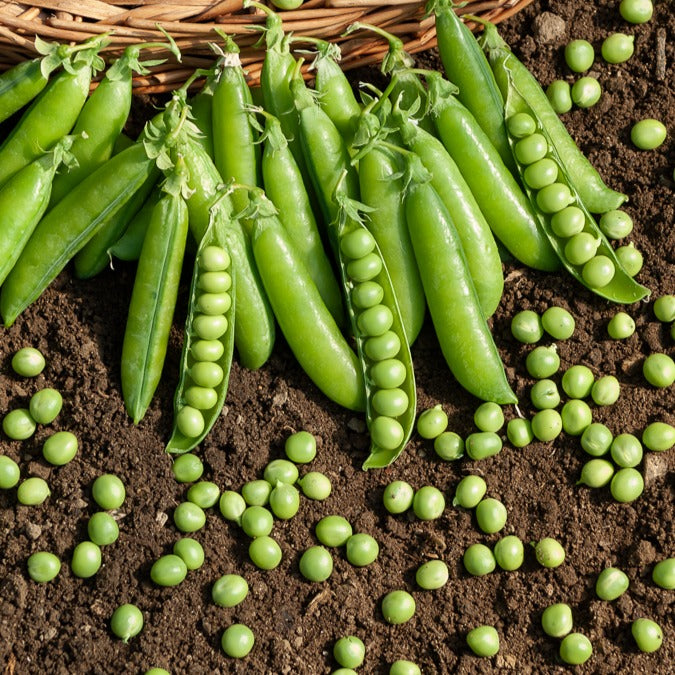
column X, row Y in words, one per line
column 587, row 254
column 209, row 342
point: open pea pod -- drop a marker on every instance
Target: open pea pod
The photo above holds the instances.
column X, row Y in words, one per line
column 601, row 271
column 209, row 336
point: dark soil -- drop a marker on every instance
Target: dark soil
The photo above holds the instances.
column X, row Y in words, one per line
column 63, row 626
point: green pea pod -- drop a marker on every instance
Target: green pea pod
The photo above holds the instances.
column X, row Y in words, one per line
column 597, row 197
column 51, row 115
column 499, row 196
column 152, row 304
column 23, row 201
column 461, row 328
column 466, row 66
column 622, row 288
column 304, row 319
column 480, row 248
column 202, row 111
column 196, row 408
column 129, row 245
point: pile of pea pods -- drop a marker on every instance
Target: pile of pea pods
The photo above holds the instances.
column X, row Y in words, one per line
column 336, row 220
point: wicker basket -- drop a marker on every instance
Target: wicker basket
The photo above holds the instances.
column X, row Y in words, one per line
column 192, row 23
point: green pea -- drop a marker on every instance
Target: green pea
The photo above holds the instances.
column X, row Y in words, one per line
column 206, row 374
column 531, row 149
column 265, row 552
column 558, row 323
column 664, row 308
column 364, row 269
column 367, row 294
column 204, row 494
column 126, row 622
column 214, row 282
column 542, row 362
column 483, row 641
column 386, row 432
column 556, row 620
column 519, row 432
column 168, row 570
column 403, row 667
column 568, row 222
column 256, row 492
column 577, row 381
column 659, row 436
column 315, row 485
column 479, row 560
column 45, row 405
column 554, row 197
column 9, row 472
column 627, row 485
column 108, row 491
column 86, row 560
column 559, row 95
column 428, row 503
column 43, row 566
column 229, row 590
column 509, row 553
column 237, row 641
column 616, row 224
column 491, row 515
column 541, row 173
column 284, row 501
column 469, row 491
column 606, row 390
column 333, row 531
column 626, row 450
column 398, row 607
column 18, row 424
column 375, row 321
column 157, row 671
column 432, row 575
column 390, row 402
column 663, row 574
column 659, row 370
column 489, row 417
column 636, row 11
column 207, row 350
column 28, row 362
column 349, row 651
column 209, row 327
column 190, row 551
column 316, row 564
column 280, row 471
column 214, row 304
column 201, row 398
column 546, row 425
column 449, row 446
column 432, row 422
column 596, row 473
column 549, row 552
column 231, row 505
column 579, row 55
column 398, row 496
column 621, row 326
column 576, row 416
column 596, row 439
column 483, row 444
column 103, row 529
column 300, row 447
column 60, row 448
column 189, row 517
column 521, row 125
column 361, row 549
column 598, row 271
column 214, row 259
column 526, row 327
column 647, row 634
column 586, row 92
column 611, row 583
column 630, row 259
column 32, row 491
column 580, row 248
column 187, row 468
column 257, row 521
column 617, row 48
column 382, row 347
column 357, row 243
column 544, row 394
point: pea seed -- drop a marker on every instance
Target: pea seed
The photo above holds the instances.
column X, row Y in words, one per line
column 280, row 470
column 626, row 450
column 598, row 271
column 546, row 425
column 479, row 560
column 316, row 564
column 367, row 294
column 60, row 448
column 390, row 402
column 663, row 574
column 586, row 92
column 388, row 374
column 349, row 651
column 333, row 531
column 229, row 590
column 559, row 95
column 611, row 583
column 28, row 362
column 630, row 259
column 621, row 326
column 483, row 641
column 18, row 424
column 126, row 622
column 521, row 125
column 386, row 433
column 375, row 321
column 568, row 222
column 190, row 421
column 606, row 390
column 209, row 327
column 530, row 149
column 526, row 327
column 664, row 308
column 43, row 566
column 428, row 503
column 398, row 497
column 300, row 447
column 214, row 282
column 576, row 416
column 596, row 439
column 206, row 374
column 432, row 575
column 103, row 529
column 542, row 362
column 403, row 667
column 449, row 446
column 257, row 521
column 490, row 515
column 483, row 444
column 204, row 494
column 544, row 394
column 617, row 48
column 659, row 436
column 315, row 485
column 214, row 259
column 108, row 491
column 237, row 641
column 357, row 244
column 284, row 501
column 398, row 607
column 549, row 552
column 659, row 370
column 596, row 473
column 364, row 269
column 580, row 248
column 577, row 381
column 86, row 560
column 207, row 350
column 231, row 505
column 45, row 405
column 636, row 11
column 648, row 134
column 616, row 224
column 470, row 490
column 9, row 472
column 509, row 553
column 627, row 485
column 488, row 417
column 556, row 620
column 201, row 398
column 382, row 347
column 647, row 634
column 558, row 323
column 187, row 468
column 214, row 304
column 579, row 55
column 32, row 491
column 541, row 173
column 265, row 553
column 362, row 549
column 256, row 492
column 519, row 432
column 189, row 517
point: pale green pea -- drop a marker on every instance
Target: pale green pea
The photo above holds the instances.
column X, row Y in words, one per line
column 626, row 485
column 207, row 350
column 18, row 424
column 256, row 492
column 542, row 362
column 103, row 529
column 349, row 651
column 549, row 552
column 201, row 398
column 86, row 560
column 509, row 553
column 479, row 560
column 237, row 641
column 229, row 590
column 386, row 432
column 519, row 432
column 208, row 327
column 469, row 491
column 190, row 551
column 432, row 575
column 364, row 269
column 214, row 259
column 449, row 446
column 576, row 416
column 361, row 549
column 626, row 450
column 647, row 634
column 636, row 11
column 580, row 248
column 606, row 390
column 491, row 515
column 213, row 304
column 157, row 671
column 404, row 667
column 282, row 471
column 9, row 472
column 579, row 55
column 630, row 259
column 526, row 327
column 204, row 494
column 554, row 197
column 367, row 294
column 489, row 417
column 558, row 323
column 28, row 362
column 265, row 552
column 108, row 492
column 556, row 620
column 659, row 436
column 315, row 485
column 300, row 447
column 398, row 496
column 333, row 531
column 616, row 224
column 358, row 243
column 231, row 505
column 541, row 173
column 596, row 439
column 598, row 271
column 206, row 374
column 316, row 564
column 568, row 222
column 596, row 473
column 60, row 448
column 187, row 468
column 32, row 491
column 521, row 124
column 586, row 92
column 659, row 370
column 43, row 566
column 432, row 422
column 168, row 570
column 214, row 282
column 189, row 517
column 546, row 425
column 483, row 444
column 621, row 326
column 530, row 149
column 398, row 607
column 663, row 574
column 390, row 402
column 483, row 641
column 45, row 405
column 611, row 583
column 382, row 347
column 257, row 521
column 126, row 622
column 375, row 321
column 664, row 308
column 544, row 394
column 428, row 503
column 577, row 381
column 617, row 48
column 648, row 134
column 559, row 95
column 284, row 501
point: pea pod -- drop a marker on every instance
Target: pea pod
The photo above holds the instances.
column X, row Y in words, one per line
column 197, row 407
column 507, row 69
column 620, row 287
column 304, row 319
column 153, row 298
column 23, row 201
column 129, row 245
column 461, row 328
column 201, row 106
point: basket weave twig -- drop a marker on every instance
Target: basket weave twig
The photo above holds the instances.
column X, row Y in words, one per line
column 192, row 22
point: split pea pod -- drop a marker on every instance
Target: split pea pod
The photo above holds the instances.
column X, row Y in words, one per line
column 575, row 236
column 499, row 196
column 208, row 340
column 153, row 298
column 304, row 319
column 459, row 323
column 597, row 197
